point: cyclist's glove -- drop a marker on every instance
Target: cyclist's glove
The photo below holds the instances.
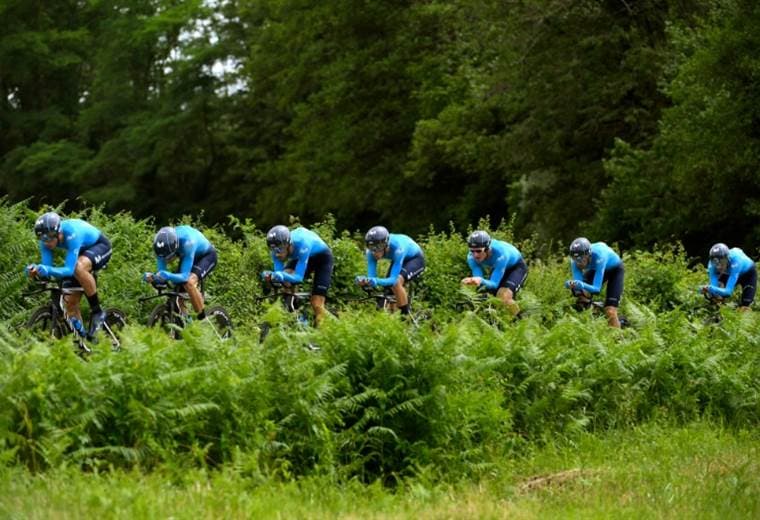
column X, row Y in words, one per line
column 360, row 280
column 43, row 270
column 265, row 275
column 145, row 276
column 372, row 282
column 278, row 277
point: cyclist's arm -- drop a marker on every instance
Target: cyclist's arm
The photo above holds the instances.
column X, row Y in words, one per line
column 46, row 255
column 726, row 291
column 277, row 263
column 497, row 273
column 371, row 265
column 300, row 271
column 474, row 267
column 70, row 263
column 160, row 264
column 184, row 270
column 596, row 286
column 397, row 263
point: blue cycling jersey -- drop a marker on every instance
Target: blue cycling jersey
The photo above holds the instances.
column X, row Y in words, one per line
column 77, row 235
column 602, row 258
column 503, row 256
column 192, row 243
column 738, row 264
column 400, row 247
column 305, row 245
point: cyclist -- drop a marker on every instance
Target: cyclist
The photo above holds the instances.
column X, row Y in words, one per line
column 196, row 257
column 726, row 268
column 592, row 265
column 298, row 254
column 87, row 251
column 407, row 263
column 507, row 266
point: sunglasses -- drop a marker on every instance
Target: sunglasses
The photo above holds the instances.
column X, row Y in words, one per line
column 478, row 251
column 578, row 257
column 47, row 237
column 376, row 248
column 278, row 249
column 716, row 261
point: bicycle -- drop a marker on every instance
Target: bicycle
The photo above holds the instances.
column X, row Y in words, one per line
column 385, row 300
column 53, row 319
column 597, row 309
column 486, row 306
column 172, row 316
column 296, row 303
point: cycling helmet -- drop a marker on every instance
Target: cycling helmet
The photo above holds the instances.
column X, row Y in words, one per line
column 278, row 236
column 479, row 239
column 47, row 225
column 377, row 236
column 718, row 252
column 580, row 247
column 166, row 242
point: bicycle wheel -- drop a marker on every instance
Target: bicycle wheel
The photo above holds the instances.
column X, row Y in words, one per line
column 42, row 324
column 160, row 316
column 220, row 320
column 115, row 321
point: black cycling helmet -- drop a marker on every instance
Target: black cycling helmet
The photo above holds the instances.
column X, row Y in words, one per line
column 718, row 252
column 479, row 239
column 47, row 225
column 377, row 236
column 166, row 242
column 278, row 236
column 580, row 247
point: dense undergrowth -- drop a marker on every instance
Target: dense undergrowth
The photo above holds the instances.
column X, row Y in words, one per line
column 382, row 399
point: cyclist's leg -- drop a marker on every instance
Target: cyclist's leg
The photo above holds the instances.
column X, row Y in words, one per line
column 322, row 267
column 614, row 278
column 202, row 267
column 510, row 285
column 748, row 281
column 412, row 268
column 71, row 301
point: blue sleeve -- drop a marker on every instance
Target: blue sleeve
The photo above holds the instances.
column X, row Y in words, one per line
column 72, row 254
column 278, row 265
column 596, row 287
column 726, row 291
column 497, row 273
column 474, row 267
column 185, row 266
column 396, row 265
column 46, row 255
column 300, row 270
column 371, row 265
column 577, row 273
column 713, row 275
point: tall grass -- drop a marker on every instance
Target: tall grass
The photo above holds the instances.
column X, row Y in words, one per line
column 383, row 399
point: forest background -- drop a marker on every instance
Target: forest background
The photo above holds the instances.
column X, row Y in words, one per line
column 634, row 122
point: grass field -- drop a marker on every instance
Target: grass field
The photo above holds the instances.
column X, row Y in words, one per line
column 697, row 471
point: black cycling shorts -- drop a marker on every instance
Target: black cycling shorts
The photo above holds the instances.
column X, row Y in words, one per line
column 321, row 265
column 412, row 268
column 748, row 281
column 513, row 278
column 614, row 279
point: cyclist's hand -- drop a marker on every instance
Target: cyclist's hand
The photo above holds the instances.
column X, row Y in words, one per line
column 42, row 270
column 161, row 277
column 704, row 289
column 361, row 280
column 266, row 276
column 372, row 282
column 31, row 270
column 147, row 277
column 277, row 276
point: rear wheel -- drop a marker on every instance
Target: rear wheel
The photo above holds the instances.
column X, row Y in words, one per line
column 115, row 322
column 221, row 321
column 160, row 316
column 42, row 324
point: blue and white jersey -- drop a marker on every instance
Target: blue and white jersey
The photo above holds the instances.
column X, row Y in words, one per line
column 602, row 258
column 77, row 235
column 400, row 247
column 192, row 244
column 305, row 245
column 503, row 256
column 738, row 264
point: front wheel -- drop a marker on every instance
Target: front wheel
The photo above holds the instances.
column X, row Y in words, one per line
column 161, row 316
column 220, row 320
column 42, row 323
